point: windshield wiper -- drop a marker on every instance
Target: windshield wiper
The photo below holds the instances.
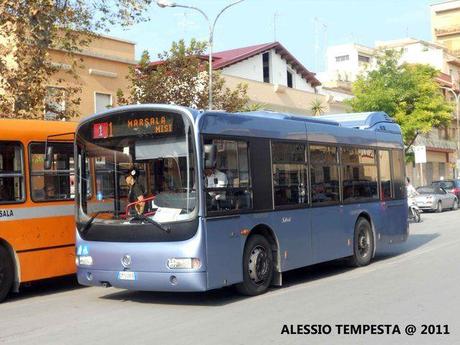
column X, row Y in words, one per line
column 151, row 221
column 90, row 221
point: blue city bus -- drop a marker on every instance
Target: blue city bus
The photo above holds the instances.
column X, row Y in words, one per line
column 220, row 199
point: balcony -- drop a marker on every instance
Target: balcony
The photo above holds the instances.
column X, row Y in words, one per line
column 433, row 142
column 448, row 30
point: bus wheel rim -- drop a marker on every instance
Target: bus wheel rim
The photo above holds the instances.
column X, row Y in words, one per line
column 258, row 265
column 363, row 241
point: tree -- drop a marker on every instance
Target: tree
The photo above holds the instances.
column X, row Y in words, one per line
column 180, row 77
column 30, row 28
column 408, row 93
column 317, row 107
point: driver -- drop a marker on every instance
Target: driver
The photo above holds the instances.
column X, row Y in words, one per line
column 136, row 191
column 216, row 179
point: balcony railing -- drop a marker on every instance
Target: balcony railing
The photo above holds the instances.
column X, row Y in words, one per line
column 448, row 30
column 433, row 141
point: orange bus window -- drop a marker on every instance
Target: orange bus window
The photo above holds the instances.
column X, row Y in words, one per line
column 58, row 183
column 11, row 172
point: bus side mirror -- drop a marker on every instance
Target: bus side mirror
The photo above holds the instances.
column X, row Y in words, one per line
column 210, row 156
column 49, row 154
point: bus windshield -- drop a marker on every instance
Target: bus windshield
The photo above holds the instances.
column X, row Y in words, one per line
column 138, row 165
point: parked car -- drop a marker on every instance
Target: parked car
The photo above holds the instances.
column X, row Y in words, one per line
column 435, row 199
column 451, row 186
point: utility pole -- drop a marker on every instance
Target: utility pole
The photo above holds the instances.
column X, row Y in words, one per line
column 211, row 27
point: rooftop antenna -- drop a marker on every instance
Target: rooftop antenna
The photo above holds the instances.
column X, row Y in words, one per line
column 275, row 20
column 320, row 47
column 183, row 21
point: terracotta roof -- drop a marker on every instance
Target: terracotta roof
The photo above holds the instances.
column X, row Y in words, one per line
column 229, row 57
column 446, row 80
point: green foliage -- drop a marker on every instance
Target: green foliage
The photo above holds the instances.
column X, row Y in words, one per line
column 255, row 107
column 408, row 93
column 317, row 107
column 181, row 78
column 30, row 28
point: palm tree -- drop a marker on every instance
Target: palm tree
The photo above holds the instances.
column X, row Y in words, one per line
column 317, row 107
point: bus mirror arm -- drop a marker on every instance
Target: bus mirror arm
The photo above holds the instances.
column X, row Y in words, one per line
column 49, row 154
column 210, row 156
column 49, row 150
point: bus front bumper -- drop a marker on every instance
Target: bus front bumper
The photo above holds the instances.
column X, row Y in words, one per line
column 144, row 281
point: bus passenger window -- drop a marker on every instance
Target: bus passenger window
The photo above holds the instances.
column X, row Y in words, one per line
column 11, row 173
column 324, row 175
column 398, row 174
column 385, row 174
column 56, row 183
column 289, row 173
column 227, row 183
column 359, row 171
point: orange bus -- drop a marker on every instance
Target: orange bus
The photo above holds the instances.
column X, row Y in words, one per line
column 37, row 231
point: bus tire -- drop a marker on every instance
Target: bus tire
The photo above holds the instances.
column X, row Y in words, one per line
column 363, row 243
column 6, row 273
column 257, row 266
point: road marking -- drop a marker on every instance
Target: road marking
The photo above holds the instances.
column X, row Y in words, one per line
column 351, row 275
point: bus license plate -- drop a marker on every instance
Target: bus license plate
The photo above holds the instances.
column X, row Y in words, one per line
column 126, row 275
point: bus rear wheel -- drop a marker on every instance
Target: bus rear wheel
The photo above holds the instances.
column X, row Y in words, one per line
column 6, row 273
column 257, row 266
column 363, row 244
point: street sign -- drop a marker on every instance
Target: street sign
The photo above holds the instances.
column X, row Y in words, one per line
column 420, row 154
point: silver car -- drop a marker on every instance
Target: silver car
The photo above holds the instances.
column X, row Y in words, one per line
column 432, row 198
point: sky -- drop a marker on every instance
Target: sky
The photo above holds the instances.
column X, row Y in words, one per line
column 304, row 27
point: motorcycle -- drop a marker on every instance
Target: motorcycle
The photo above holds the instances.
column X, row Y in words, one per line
column 414, row 211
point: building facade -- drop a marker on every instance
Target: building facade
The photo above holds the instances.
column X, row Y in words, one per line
column 276, row 79
column 445, row 25
column 346, row 62
column 104, row 67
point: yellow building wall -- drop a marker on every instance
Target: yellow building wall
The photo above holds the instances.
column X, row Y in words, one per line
column 277, row 97
column 445, row 24
column 96, row 75
column 104, row 67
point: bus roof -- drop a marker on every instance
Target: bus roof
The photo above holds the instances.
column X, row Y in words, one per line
column 365, row 120
column 366, row 129
column 370, row 128
column 30, row 130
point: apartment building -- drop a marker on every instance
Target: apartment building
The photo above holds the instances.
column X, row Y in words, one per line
column 346, row 62
column 275, row 78
column 445, row 25
column 105, row 66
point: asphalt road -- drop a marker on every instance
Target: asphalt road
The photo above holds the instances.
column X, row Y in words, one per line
column 417, row 283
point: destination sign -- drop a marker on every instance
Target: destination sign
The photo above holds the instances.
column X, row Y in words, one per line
column 142, row 124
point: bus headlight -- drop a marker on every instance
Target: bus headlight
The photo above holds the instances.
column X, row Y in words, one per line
column 184, row 263
column 84, row 260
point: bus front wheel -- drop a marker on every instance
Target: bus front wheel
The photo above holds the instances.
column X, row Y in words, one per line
column 257, row 266
column 6, row 273
column 363, row 244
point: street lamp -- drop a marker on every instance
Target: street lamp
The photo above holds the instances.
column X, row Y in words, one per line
column 167, row 3
column 457, row 103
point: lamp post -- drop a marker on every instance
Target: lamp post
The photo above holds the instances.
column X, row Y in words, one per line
column 457, row 103
column 211, row 25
